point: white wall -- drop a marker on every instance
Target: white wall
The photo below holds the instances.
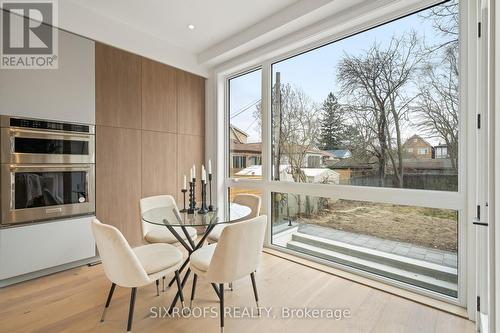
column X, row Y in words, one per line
column 66, row 94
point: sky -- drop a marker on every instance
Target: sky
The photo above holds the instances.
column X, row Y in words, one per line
column 315, row 71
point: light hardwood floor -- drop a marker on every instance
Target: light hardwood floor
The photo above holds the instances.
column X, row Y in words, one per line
column 72, row 301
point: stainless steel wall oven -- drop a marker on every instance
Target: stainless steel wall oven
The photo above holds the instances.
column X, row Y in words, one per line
column 47, row 170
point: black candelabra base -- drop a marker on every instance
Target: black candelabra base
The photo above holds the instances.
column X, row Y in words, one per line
column 184, row 191
column 192, row 197
column 210, row 207
column 203, row 208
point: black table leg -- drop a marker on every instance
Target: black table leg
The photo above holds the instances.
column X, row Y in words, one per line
column 191, row 247
column 177, row 295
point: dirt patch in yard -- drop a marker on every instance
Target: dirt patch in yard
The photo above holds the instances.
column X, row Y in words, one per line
column 429, row 227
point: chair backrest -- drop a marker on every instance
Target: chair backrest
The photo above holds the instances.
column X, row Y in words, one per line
column 238, row 251
column 119, row 261
column 154, row 202
column 250, row 200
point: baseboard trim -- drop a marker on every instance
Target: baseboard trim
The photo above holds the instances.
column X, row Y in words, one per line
column 47, row 271
column 428, row 301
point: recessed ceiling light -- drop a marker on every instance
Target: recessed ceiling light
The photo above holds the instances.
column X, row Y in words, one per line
column 190, row 27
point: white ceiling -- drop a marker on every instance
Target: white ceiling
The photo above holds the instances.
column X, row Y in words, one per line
column 167, row 20
column 224, row 29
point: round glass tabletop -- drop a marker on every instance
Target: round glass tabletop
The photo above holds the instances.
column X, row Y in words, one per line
column 172, row 216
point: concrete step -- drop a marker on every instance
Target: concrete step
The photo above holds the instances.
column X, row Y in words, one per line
column 369, row 265
column 422, row 267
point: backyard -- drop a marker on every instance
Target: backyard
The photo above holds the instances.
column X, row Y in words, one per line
column 428, row 227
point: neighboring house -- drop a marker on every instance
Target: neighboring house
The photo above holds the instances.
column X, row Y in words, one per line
column 244, row 154
column 417, row 148
column 440, row 151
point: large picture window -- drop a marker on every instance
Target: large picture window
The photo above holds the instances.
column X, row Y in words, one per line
column 376, row 108
column 245, row 135
column 356, row 148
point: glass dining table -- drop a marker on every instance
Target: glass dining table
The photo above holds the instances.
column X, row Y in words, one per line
column 177, row 222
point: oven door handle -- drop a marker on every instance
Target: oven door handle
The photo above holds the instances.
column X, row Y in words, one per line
column 53, row 210
column 51, row 167
column 17, row 132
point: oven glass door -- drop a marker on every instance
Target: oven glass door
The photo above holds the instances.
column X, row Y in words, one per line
column 32, row 192
column 50, row 146
column 20, row 146
column 49, row 188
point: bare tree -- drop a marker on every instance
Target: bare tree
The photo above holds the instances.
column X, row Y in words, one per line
column 438, row 105
column 374, row 85
column 300, row 130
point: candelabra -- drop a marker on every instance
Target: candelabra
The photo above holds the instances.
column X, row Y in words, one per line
column 210, row 207
column 184, row 195
column 192, row 196
column 203, row 208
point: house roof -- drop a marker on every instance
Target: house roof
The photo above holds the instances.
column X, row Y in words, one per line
column 351, row 163
column 415, row 136
column 246, row 147
column 339, row 153
column 432, row 164
column 236, row 129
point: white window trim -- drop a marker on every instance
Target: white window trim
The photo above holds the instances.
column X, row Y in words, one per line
column 462, row 201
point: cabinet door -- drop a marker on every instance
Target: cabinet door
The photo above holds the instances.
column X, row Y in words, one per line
column 191, row 104
column 159, row 164
column 159, row 97
column 118, row 180
column 191, row 151
column 118, row 87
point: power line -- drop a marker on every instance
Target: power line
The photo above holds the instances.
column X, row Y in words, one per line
column 245, row 108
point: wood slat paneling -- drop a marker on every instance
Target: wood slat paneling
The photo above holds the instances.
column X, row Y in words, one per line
column 159, row 96
column 118, row 180
column 191, row 151
column 118, row 87
column 141, row 108
column 159, row 164
column 191, row 104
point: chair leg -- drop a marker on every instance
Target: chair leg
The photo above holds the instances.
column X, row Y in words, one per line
column 254, row 285
column 231, row 286
column 193, row 289
column 131, row 309
column 163, row 284
column 221, row 314
column 108, row 301
column 179, row 287
column 158, row 287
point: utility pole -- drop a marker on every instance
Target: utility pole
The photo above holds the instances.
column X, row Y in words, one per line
column 277, row 140
column 277, row 125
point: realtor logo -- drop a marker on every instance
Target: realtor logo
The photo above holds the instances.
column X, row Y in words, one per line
column 29, row 40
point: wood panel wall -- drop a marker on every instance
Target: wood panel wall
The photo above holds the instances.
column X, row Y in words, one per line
column 150, row 130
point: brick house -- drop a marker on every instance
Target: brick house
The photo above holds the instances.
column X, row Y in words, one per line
column 417, row 148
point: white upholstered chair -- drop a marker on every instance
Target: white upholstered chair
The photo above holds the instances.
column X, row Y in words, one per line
column 250, row 200
column 157, row 233
column 134, row 267
column 236, row 255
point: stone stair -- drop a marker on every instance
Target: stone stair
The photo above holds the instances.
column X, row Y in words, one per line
column 431, row 276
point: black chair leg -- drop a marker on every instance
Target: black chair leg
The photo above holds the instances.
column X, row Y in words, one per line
column 163, row 284
column 131, row 309
column 158, row 287
column 179, row 287
column 221, row 314
column 193, row 290
column 254, row 285
column 108, row 301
